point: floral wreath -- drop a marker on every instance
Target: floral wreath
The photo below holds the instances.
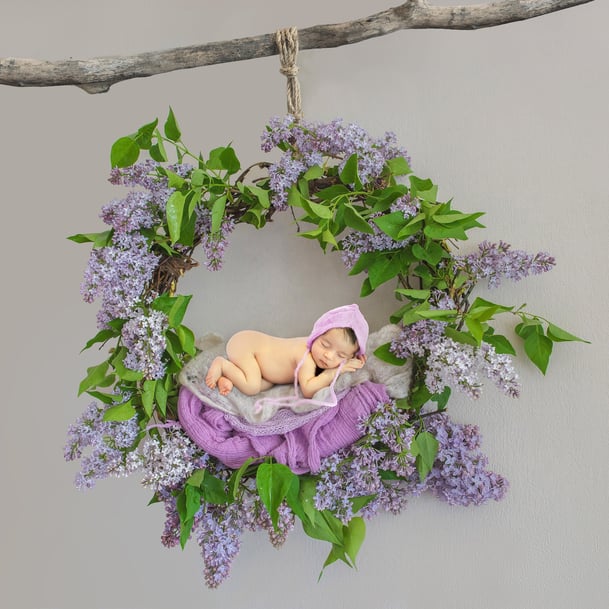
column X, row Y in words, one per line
column 359, row 196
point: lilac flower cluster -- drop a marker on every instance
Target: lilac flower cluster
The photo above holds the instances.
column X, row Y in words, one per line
column 453, row 364
column 111, row 446
column 460, row 475
column 214, row 244
column 358, row 470
column 219, row 537
column 357, row 243
column 169, row 458
column 495, row 261
column 308, row 144
column 118, row 274
column 132, row 213
column 144, row 337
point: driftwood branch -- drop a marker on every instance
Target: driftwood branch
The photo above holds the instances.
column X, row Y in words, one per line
column 97, row 75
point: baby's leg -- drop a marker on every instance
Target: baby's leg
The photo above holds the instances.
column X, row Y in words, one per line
column 241, row 369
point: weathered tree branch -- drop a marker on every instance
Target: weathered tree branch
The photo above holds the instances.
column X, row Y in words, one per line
column 97, row 75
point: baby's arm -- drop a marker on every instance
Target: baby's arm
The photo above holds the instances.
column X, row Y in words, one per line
column 311, row 384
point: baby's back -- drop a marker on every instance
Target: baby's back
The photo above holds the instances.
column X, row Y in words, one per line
column 277, row 357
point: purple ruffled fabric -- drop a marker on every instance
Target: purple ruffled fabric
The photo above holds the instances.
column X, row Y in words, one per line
column 300, row 449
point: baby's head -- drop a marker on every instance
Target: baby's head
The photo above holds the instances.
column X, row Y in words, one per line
column 334, row 347
column 347, row 327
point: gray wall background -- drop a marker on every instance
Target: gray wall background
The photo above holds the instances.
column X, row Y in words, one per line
column 510, row 120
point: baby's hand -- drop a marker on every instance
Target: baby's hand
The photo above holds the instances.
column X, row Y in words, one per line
column 353, row 364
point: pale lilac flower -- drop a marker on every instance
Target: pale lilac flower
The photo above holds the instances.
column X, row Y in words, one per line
column 496, row 261
column 460, row 475
column 110, row 446
column 307, row 144
column 169, row 458
column 144, row 337
column 119, row 274
column 214, row 245
column 219, row 537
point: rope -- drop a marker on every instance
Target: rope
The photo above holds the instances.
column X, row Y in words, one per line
column 287, row 43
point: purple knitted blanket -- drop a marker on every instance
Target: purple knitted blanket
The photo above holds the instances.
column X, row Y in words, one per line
column 300, row 449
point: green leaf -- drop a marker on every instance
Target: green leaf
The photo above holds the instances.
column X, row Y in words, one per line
column 348, row 175
column 557, row 334
column 101, row 337
column 442, row 314
column 224, row 159
column 143, row 137
column 98, row 239
column 124, row 152
column 148, row 393
column 475, row 328
column 414, row 294
column 332, row 192
column 500, row 343
column 217, row 214
column 391, row 224
column 526, row 328
column 354, row 220
column 354, row 534
column 124, row 373
column 161, row 398
column 187, row 339
column 157, row 152
column 313, row 173
column 460, row 337
column 424, row 447
column 95, row 375
column 174, row 211
column 214, row 490
column 273, row 481
column 398, row 166
column 386, row 355
column 441, row 399
column 171, row 129
column 173, row 306
column 237, row 475
column 433, row 252
column 383, row 269
column 121, row 412
column 538, row 348
column 317, row 209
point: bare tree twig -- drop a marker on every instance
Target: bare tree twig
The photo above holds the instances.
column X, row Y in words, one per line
column 97, row 75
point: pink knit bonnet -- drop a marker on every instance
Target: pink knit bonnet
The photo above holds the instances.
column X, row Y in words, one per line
column 347, row 316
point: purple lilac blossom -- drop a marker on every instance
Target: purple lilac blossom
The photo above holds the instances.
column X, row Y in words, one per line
column 460, row 475
column 495, row 261
column 214, row 245
column 256, row 517
column 309, row 143
column 460, row 366
column 169, row 458
column 144, row 337
column 110, row 444
column 118, row 274
column 356, row 471
column 132, row 213
column 219, row 537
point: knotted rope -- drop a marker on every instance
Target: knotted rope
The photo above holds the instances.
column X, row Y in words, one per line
column 287, row 43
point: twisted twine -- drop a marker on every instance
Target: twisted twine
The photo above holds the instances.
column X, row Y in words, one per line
column 287, row 43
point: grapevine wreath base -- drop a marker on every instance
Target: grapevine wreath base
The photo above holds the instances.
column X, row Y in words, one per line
column 353, row 194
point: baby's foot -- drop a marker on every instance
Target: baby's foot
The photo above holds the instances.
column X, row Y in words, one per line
column 224, row 385
column 214, row 373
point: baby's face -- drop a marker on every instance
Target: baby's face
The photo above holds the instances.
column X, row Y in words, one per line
column 332, row 348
